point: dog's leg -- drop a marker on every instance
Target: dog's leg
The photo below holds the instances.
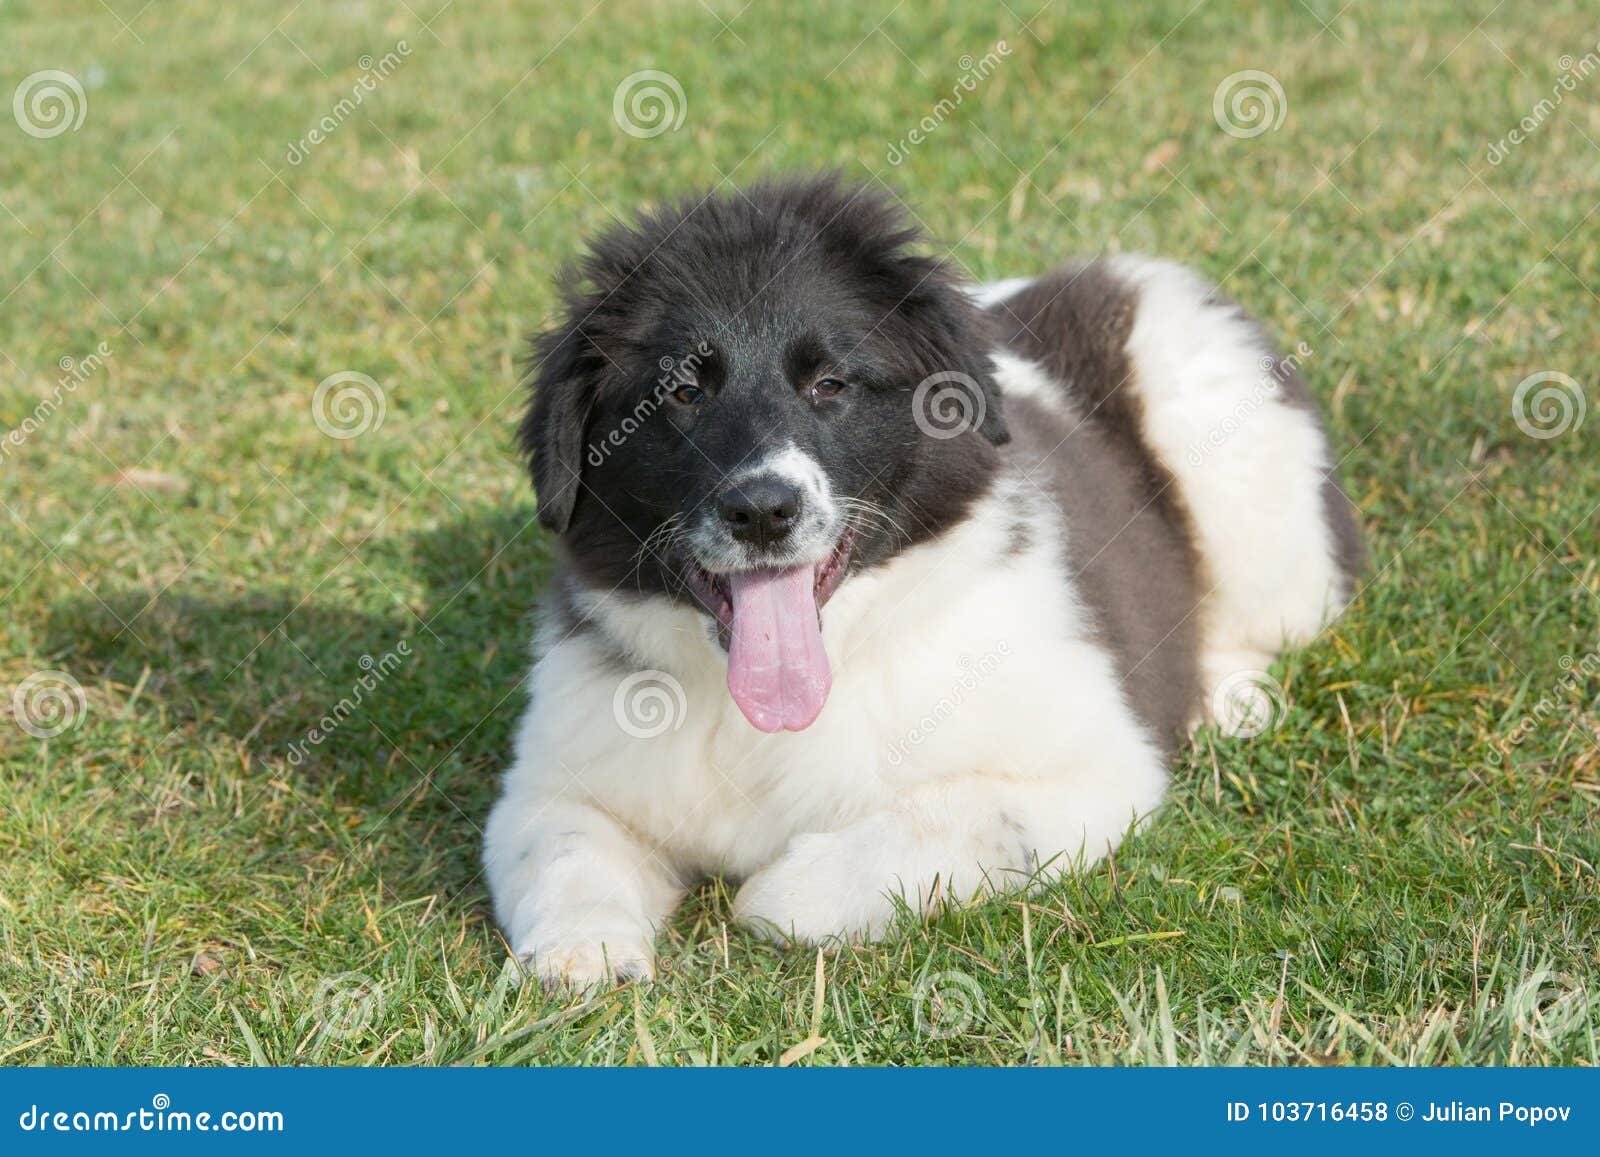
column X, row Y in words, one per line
column 578, row 895
column 944, row 841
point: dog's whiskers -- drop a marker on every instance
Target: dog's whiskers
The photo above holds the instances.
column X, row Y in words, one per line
column 866, row 513
column 657, row 544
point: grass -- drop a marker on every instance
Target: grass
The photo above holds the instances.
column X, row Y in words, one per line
column 1403, row 871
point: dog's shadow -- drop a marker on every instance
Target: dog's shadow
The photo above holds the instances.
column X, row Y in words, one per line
column 402, row 709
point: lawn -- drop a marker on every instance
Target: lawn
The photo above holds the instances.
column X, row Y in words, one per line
column 204, row 554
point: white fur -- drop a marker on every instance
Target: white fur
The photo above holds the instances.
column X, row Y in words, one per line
column 1250, row 468
column 974, row 732
column 996, row 291
column 1021, row 378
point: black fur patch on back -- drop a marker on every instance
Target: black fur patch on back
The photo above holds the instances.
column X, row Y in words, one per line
column 1132, row 546
column 1075, row 322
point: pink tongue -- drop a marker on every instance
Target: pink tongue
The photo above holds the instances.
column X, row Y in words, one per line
column 777, row 670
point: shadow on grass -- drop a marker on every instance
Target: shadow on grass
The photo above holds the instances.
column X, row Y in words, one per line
column 392, row 686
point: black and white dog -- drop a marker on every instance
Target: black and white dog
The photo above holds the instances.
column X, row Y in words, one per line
column 879, row 586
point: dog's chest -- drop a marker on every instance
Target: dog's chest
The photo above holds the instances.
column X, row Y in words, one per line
column 930, row 677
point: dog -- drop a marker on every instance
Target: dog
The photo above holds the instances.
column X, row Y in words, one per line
column 878, row 589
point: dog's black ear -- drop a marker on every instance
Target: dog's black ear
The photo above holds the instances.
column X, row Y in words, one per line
column 553, row 430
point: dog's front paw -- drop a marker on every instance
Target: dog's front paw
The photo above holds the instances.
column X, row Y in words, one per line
column 599, row 949
column 821, row 888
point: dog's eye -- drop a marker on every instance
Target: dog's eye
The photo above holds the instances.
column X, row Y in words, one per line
column 826, row 388
column 687, row 394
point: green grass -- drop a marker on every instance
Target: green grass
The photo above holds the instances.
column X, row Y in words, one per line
column 1401, row 872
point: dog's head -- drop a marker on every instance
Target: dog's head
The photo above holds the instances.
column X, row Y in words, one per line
column 747, row 398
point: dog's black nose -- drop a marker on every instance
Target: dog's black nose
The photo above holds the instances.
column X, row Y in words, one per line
column 759, row 510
